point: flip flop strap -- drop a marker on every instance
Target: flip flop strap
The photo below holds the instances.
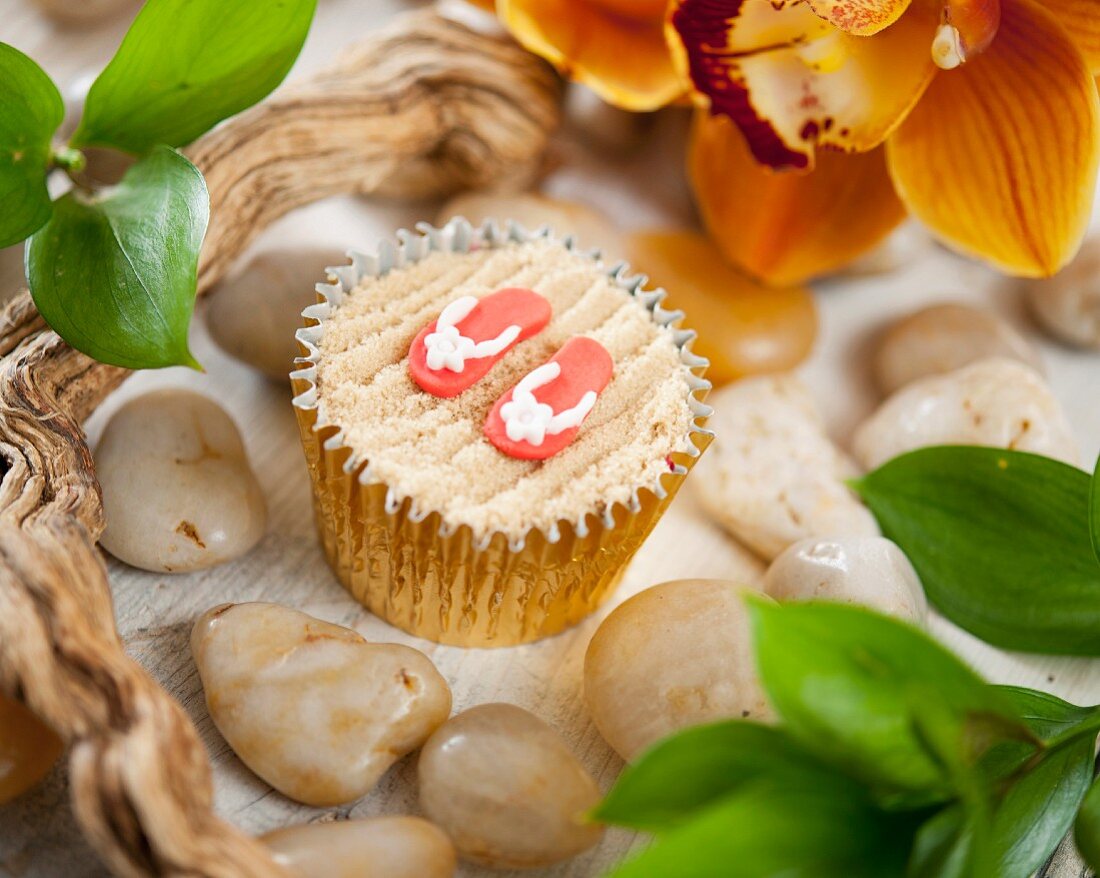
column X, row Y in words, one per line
column 542, row 420
column 447, row 348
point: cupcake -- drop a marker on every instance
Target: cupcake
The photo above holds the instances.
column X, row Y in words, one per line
column 494, row 421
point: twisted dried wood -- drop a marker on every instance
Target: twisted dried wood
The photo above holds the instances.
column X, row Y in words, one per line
column 424, row 108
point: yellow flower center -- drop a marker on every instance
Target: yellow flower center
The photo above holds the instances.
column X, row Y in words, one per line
column 826, row 54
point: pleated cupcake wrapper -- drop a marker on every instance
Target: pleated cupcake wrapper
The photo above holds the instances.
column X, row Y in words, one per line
column 436, row 580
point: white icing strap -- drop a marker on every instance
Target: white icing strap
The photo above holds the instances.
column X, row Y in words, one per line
column 447, row 348
column 528, row 420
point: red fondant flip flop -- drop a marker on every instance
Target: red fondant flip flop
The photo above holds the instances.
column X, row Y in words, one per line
column 540, row 416
column 470, row 335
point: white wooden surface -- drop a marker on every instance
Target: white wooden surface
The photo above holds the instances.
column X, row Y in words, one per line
column 37, row 834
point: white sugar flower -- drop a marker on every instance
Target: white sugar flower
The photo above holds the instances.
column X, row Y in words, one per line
column 526, row 419
column 447, row 348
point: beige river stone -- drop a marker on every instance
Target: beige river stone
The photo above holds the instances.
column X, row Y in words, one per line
column 254, row 314
column 507, row 789
column 867, row 571
column 178, row 492
column 378, row 847
column 1068, row 304
column 773, row 476
column 313, row 708
column 532, row 211
column 942, row 338
column 673, row 656
column 996, row 402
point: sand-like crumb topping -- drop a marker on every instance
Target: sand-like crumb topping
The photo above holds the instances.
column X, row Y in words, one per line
column 434, row 451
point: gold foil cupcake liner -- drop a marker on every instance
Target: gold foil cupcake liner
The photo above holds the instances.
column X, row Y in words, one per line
column 408, row 566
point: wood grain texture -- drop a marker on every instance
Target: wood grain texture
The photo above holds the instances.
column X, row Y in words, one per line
column 423, row 109
column 426, row 107
column 1065, row 862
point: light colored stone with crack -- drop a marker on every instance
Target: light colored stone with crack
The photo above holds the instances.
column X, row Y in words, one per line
column 378, row 847
column 675, row 655
column 178, row 492
column 772, row 476
column 253, row 316
column 314, row 709
column 507, row 789
column 997, row 402
column 942, row 338
column 867, row 571
column 1068, row 304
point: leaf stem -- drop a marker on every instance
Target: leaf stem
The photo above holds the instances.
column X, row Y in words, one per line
column 71, row 161
column 1086, row 728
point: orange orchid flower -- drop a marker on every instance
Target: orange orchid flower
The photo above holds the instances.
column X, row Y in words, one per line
column 979, row 117
column 988, row 111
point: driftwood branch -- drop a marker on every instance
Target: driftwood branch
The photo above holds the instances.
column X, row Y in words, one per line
column 424, row 108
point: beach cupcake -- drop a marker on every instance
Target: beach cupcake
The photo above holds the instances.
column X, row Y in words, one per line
column 494, row 421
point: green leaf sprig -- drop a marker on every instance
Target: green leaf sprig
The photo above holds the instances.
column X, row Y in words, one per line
column 185, row 65
column 1002, row 542
column 138, row 240
column 1094, row 511
column 30, row 111
column 114, row 271
column 891, row 759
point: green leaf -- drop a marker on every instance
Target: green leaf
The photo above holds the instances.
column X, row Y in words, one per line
column 767, row 830
column 1037, row 811
column 877, row 697
column 1094, row 511
column 185, row 65
column 1048, row 716
column 1000, row 540
column 696, row 767
column 944, row 846
column 1032, row 791
column 30, row 111
column 114, row 274
column 1053, row 721
column 1086, row 831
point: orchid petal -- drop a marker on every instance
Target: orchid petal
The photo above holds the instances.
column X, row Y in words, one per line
column 786, row 227
column 621, row 57
column 1000, row 157
column 1081, row 19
